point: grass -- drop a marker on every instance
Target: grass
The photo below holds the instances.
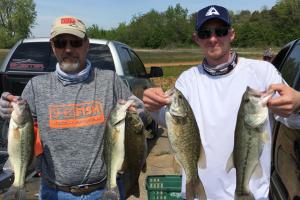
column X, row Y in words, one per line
column 3, row 53
column 169, row 55
column 174, row 71
column 189, row 55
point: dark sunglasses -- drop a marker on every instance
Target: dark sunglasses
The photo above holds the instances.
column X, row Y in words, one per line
column 61, row 43
column 206, row 33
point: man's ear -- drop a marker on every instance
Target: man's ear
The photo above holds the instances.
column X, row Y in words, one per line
column 87, row 43
column 195, row 38
column 53, row 48
column 232, row 34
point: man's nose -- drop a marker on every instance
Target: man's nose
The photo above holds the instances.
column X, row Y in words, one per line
column 68, row 46
column 213, row 36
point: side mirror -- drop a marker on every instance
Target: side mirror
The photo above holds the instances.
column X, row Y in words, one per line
column 155, row 72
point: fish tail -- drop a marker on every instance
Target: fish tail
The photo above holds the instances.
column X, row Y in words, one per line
column 18, row 193
column 135, row 190
column 111, row 194
column 195, row 189
column 248, row 196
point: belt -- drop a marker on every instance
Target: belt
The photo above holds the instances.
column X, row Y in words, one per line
column 77, row 189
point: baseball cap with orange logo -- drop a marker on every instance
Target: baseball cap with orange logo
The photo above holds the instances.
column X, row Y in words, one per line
column 68, row 25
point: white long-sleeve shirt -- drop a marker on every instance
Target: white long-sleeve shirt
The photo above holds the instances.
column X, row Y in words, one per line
column 215, row 101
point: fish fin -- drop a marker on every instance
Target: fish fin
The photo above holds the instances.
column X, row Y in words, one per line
column 16, row 134
column 202, row 158
column 18, row 193
column 265, row 137
column 135, row 190
column 124, row 167
column 257, row 171
column 244, row 197
column 230, row 163
column 148, row 134
column 144, row 169
column 177, row 160
column 111, row 194
column 121, row 172
column 195, row 189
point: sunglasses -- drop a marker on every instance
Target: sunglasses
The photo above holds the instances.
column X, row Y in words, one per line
column 61, row 43
column 206, row 33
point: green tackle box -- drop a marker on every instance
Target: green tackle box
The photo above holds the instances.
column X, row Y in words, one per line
column 164, row 187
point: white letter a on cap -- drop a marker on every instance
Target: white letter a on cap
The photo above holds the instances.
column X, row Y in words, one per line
column 212, row 11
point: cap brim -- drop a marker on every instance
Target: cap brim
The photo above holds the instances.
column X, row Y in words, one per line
column 75, row 32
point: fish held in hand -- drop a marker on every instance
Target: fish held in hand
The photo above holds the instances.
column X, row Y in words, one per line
column 250, row 136
column 184, row 137
column 135, row 153
column 20, row 146
column 114, row 148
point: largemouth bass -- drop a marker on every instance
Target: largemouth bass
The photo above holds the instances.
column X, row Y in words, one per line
column 184, row 137
column 250, row 136
column 20, row 147
column 135, row 153
column 114, row 147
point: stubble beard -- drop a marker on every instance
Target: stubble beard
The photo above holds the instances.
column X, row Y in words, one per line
column 70, row 67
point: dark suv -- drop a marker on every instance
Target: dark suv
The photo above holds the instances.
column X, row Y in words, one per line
column 285, row 177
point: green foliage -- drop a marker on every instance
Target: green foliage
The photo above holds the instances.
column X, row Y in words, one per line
column 174, row 27
column 154, row 29
column 273, row 27
column 169, row 29
column 16, row 19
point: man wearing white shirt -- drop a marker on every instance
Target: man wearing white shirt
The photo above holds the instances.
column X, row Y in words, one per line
column 214, row 90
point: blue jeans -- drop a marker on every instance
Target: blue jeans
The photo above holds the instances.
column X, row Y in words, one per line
column 47, row 193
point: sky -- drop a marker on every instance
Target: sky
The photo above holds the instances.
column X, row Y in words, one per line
column 108, row 14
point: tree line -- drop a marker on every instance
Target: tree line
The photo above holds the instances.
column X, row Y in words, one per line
column 16, row 19
column 172, row 28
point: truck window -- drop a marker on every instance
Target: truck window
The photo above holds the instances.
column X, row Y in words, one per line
column 100, row 56
column 137, row 65
column 35, row 56
column 126, row 62
column 131, row 63
column 291, row 68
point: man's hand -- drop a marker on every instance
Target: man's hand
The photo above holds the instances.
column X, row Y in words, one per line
column 154, row 99
column 5, row 105
column 287, row 103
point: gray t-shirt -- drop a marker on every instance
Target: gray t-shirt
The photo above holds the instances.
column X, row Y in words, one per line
column 71, row 121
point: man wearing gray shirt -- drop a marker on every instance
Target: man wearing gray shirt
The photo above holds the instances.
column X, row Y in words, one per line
column 71, row 106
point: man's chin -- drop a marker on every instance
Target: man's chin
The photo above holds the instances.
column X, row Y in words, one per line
column 215, row 54
column 70, row 67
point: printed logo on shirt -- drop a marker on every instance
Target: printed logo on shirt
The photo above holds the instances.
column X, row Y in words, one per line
column 212, row 11
column 75, row 115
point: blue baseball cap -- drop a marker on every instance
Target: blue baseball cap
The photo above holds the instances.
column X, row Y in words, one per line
column 212, row 12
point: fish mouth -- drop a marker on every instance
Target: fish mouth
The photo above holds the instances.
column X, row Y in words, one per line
column 19, row 102
column 126, row 104
column 121, row 110
column 263, row 96
column 254, row 92
column 266, row 96
column 169, row 94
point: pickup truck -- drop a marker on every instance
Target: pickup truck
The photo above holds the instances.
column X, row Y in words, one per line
column 285, row 176
column 31, row 57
